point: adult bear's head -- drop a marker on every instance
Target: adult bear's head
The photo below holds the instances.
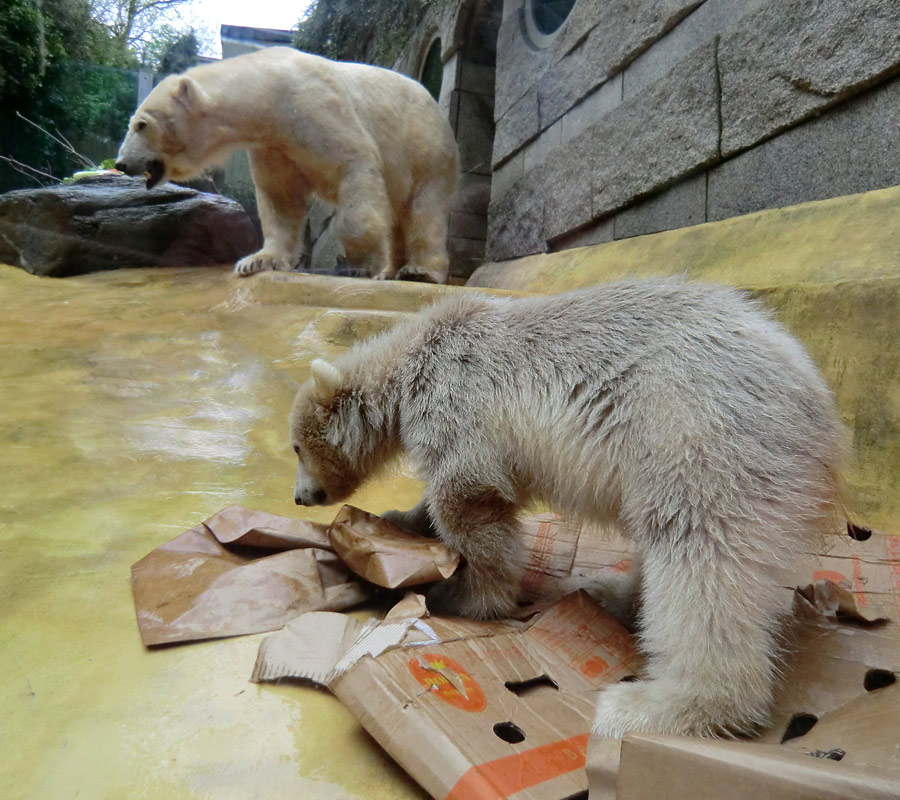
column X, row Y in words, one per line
column 165, row 139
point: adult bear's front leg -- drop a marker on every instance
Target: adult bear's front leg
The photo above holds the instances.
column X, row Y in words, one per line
column 477, row 523
column 281, row 199
column 260, row 261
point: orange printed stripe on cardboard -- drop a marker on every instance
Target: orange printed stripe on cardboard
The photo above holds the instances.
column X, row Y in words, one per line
column 498, row 779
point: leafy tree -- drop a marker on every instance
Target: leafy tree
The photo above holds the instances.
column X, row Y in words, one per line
column 56, row 70
column 170, row 50
column 347, row 30
column 22, row 60
column 131, row 21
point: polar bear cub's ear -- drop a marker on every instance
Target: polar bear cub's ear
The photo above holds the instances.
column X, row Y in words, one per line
column 327, row 378
column 190, row 94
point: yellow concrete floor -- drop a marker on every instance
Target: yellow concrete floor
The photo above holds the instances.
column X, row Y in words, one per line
column 134, row 404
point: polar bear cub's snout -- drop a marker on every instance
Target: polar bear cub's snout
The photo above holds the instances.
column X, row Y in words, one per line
column 307, row 491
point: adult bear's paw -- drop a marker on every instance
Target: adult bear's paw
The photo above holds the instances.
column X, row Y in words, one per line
column 257, row 262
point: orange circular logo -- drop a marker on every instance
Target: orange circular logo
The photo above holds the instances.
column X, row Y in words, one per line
column 447, row 680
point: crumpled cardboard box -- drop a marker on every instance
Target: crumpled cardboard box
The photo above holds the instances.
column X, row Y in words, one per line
column 450, row 699
column 836, row 716
column 469, row 709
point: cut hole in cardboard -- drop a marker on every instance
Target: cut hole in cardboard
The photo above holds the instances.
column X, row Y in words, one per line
column 629, row 679
column 577, row 796
column 521, row 688
column 878, row 679
column 800, row 725
column 509, row 732
column 832, row 755
column 858, row 532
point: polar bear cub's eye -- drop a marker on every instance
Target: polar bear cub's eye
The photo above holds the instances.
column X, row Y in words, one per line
column 140, row 126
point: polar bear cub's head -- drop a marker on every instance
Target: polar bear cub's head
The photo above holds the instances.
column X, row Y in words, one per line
column 326, row 470
column 165, row 139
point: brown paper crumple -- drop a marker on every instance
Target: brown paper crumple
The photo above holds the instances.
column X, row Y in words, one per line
column 244, row 571
column 239, row 572
column 387, row 555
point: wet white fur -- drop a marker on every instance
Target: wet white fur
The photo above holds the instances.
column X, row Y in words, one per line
column 682, row 411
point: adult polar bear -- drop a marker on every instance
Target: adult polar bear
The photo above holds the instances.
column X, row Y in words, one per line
column 367, row 140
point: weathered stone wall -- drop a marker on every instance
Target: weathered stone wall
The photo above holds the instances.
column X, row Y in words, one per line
column 646, row 115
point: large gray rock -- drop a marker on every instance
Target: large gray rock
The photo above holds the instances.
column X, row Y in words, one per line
column 112, row 221
column 794, row 58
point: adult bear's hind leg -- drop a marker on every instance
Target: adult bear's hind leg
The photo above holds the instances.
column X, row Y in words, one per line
column 426, row 234
column 363, row 222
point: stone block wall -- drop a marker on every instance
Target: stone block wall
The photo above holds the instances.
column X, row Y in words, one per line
column 645, row 115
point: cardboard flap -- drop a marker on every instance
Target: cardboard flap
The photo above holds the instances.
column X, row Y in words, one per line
column 865, row 562
column 581, row 646
column 308, row 647
column 682, row 768
column 834, row 601
column 864, row 732
column 386, row 555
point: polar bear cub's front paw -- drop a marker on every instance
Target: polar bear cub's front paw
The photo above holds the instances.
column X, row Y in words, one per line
column 257, row 262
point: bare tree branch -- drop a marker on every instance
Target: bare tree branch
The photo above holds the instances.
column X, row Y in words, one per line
column 28, row 171
column 61, row 141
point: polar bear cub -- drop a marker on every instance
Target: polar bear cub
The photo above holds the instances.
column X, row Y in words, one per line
column 682, row 411
column 369, row 141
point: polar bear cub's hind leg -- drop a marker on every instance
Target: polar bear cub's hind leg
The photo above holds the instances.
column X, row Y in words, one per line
column 707, row 625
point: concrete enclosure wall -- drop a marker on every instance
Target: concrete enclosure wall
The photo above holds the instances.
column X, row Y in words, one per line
column 638, row 116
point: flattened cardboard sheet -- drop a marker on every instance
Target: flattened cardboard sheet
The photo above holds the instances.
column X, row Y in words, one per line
column 864, row 561
column 678, row 768
column 476, row 710
column 559, row 552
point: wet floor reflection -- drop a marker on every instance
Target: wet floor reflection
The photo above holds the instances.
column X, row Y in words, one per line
column 132, row 406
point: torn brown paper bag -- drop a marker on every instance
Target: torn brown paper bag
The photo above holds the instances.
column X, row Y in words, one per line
column 386, row 555
column 471, row 710
column 272, row 569
column 244, row 526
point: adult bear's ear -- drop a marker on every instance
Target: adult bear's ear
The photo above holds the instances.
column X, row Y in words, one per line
column 327, row 378
column 190, row 94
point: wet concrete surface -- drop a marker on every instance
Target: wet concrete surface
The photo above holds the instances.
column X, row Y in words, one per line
column 135, row 404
